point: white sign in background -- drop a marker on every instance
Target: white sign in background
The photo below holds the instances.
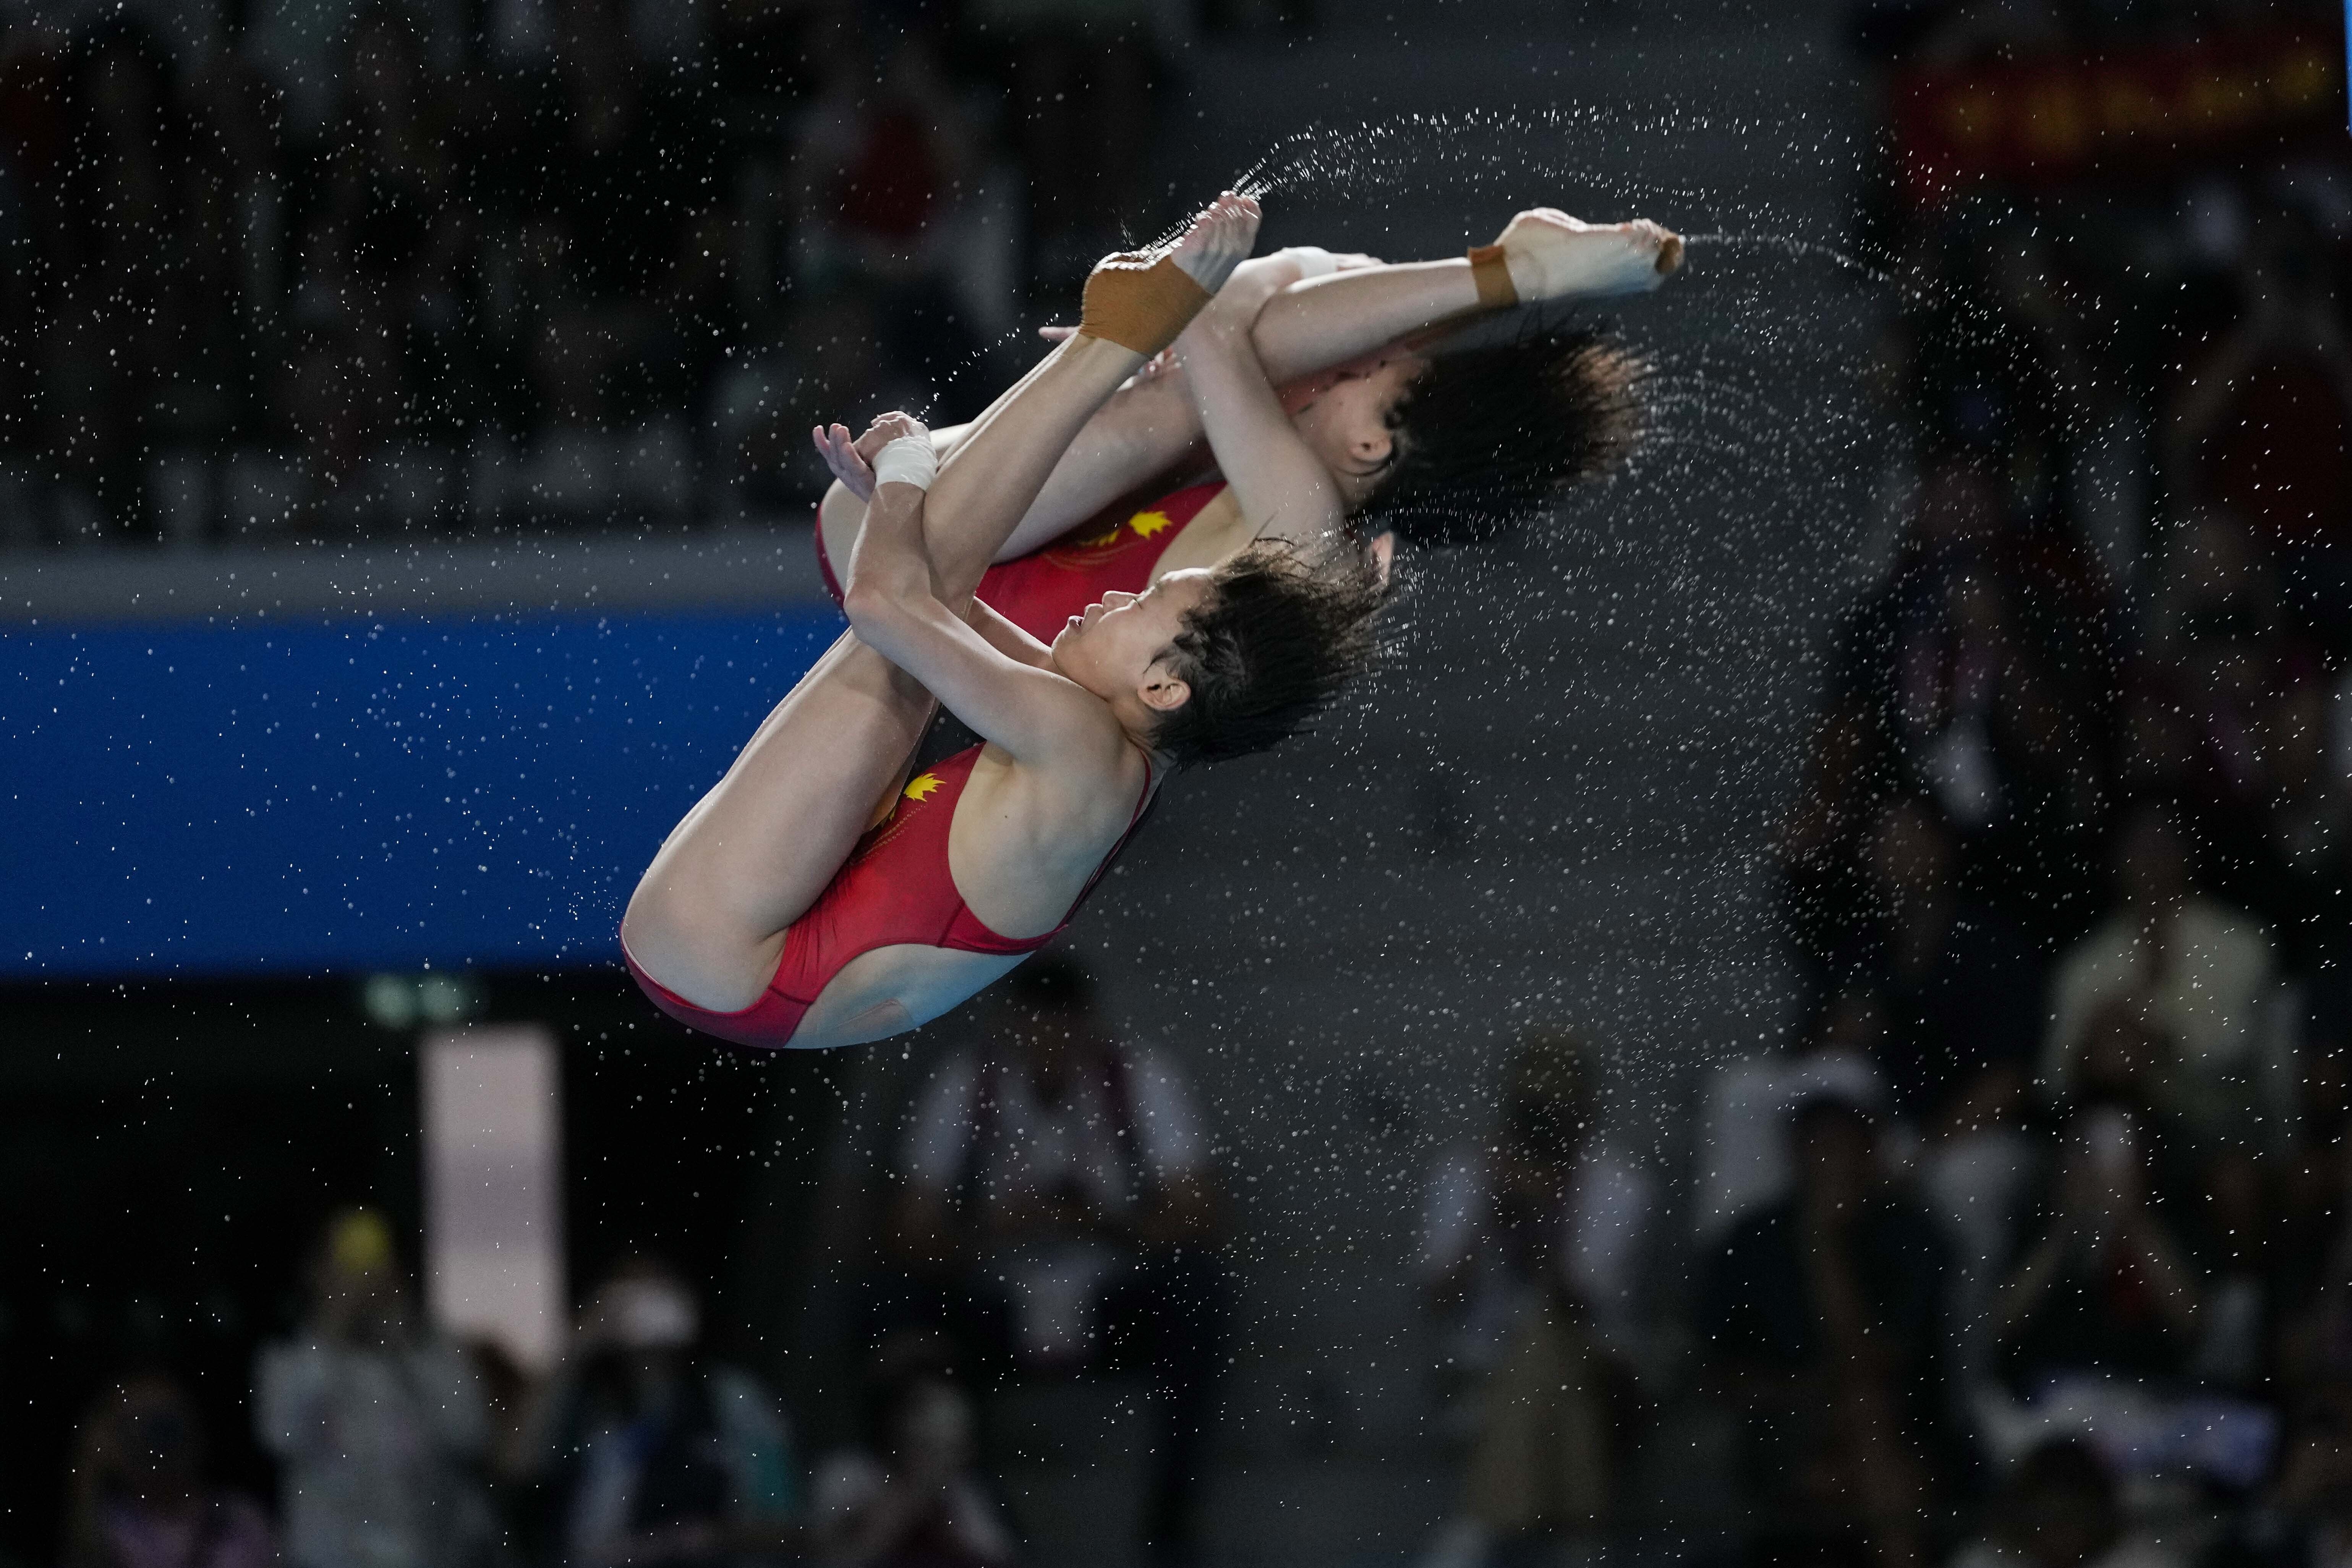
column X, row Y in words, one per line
column 494, row 1189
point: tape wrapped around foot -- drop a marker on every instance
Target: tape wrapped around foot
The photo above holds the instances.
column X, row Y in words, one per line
column 1139, row 304
column 1492, row 273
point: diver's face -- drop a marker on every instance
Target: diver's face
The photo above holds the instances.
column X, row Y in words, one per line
column 1115, row 647
column 1345, row 416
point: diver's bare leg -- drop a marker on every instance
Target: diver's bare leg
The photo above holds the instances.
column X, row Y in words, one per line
column 993, row 475
column 707, row 918
column 1143, row 430
column 1146, row 428
column 1320, row 323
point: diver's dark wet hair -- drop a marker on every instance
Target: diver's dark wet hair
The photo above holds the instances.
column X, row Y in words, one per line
column 1486, row 435
column 1273, row 643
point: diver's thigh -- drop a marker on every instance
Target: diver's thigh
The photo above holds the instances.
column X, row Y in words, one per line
column 707, row 918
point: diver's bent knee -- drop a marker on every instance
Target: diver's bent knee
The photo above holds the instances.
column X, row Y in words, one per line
column 690, row 954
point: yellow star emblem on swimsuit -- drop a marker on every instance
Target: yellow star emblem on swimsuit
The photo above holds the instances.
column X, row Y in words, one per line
column 920, row 786
column 1147, row 523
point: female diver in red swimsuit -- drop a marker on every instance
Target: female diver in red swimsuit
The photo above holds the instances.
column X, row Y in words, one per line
column 808, row 899
column 1440, row 446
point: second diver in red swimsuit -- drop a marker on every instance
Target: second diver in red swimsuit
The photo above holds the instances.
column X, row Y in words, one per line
column 1440, row 445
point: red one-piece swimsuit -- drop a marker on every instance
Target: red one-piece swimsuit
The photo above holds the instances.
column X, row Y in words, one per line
column 1040, row 591
column 895, row 888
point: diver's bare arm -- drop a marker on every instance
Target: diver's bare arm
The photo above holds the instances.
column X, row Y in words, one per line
column 893, row 606
column 1004, row 636
column 1282, row 486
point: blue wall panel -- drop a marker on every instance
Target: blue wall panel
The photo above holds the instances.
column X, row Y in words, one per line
column 301, row 798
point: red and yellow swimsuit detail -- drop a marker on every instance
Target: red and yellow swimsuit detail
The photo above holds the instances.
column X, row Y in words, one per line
column 1040, row 591
column 895, row 889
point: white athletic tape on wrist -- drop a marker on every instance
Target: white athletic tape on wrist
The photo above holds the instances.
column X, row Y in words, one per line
column 908, row 460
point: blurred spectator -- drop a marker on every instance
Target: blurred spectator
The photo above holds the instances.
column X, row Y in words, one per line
column 1979, row 1174
column 2003, row 378
column 376, row 1425
column 2298, row 877
column 1822, row 1317
column 2059, row 1509
column 2235, row 1244
column 113, row 341
column 1943, row 687
column 2303, row 1519
column 1745, row 1158
column 625, row 251
column 386, row 247
column 1960, row 993
column 913, row 1496
column 1531, row 1254
column 2261, row 422
column 371, row 267
column 2196, row 970
column 2219, row 635
column 2107, row 1286
column 1958, row 985
column 1058, row 1216
column 823, row 360
column 2315, row 1240
column 140, row 1498
column 882, row 170
column 762, row 49
column 1082, row 77
column 649, row 1454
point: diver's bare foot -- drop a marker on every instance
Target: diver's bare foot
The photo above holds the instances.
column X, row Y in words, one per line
column 1141, row 299
column 1305, row 261
column 1551, row 254
column 1218, row 241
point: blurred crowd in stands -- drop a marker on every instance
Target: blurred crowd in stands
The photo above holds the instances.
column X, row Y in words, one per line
column 359, row 267
column 2044, row 1258
column 399, row 1447
column 1055, row 1222
column 2033, row 1247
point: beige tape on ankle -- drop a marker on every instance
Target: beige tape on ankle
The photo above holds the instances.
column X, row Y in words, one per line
column 1138, row 304
column 1492, row 274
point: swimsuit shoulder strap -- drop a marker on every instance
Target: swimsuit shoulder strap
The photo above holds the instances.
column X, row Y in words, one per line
column 1143, row 801
column 1135, row 819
